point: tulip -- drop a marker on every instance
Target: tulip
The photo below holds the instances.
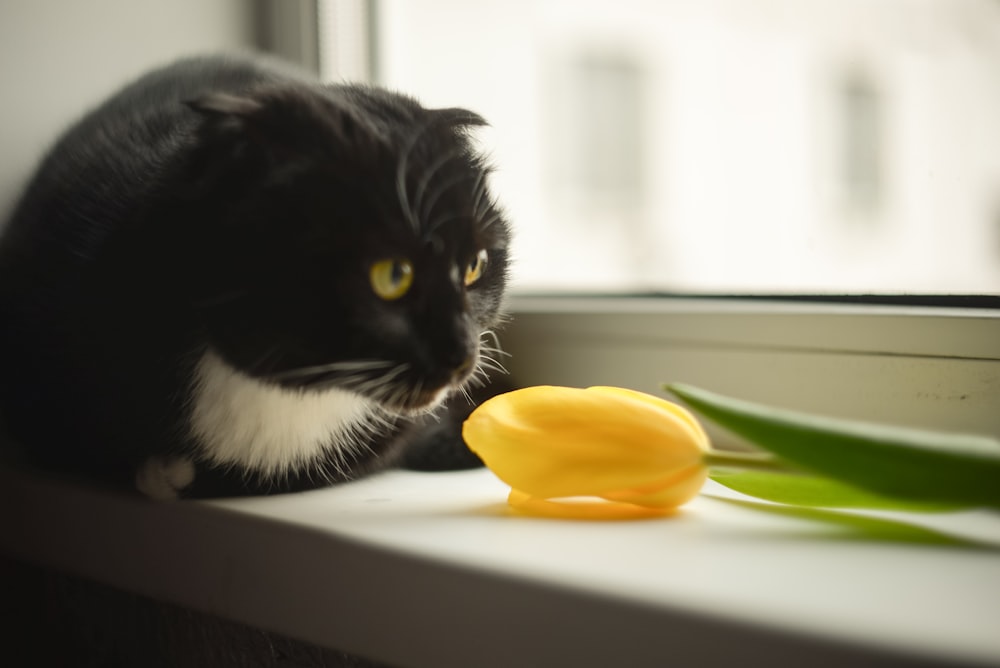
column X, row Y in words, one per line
column 640, row 455
column 631, row 449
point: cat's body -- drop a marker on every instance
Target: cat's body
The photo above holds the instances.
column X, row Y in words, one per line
column 229, row 279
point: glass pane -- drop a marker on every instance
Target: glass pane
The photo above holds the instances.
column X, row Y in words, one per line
column 726, row 145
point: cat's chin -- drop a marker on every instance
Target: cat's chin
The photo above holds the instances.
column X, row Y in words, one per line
column 415, row 405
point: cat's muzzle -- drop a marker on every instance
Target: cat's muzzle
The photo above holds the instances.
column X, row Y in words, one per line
column 424, row 395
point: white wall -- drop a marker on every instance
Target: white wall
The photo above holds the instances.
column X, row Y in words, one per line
column 58, row 58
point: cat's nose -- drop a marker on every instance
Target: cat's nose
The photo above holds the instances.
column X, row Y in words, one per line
column 458, row 351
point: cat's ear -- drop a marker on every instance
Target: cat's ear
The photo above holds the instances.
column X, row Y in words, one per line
column 238, row 138
column 245, row 126
column 279, row 120
column 227, row 116
column 224, row 104
column 458, row 117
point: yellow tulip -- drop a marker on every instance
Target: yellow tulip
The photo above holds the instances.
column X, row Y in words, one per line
column 550, row 443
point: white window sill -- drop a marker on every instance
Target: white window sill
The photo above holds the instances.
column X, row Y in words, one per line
column 426, row 570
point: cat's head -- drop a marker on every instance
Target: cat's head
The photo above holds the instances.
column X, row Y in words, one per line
column 350, row 240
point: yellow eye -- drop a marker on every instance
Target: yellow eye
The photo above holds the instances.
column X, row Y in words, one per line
column 474, row 270
column 391, row 279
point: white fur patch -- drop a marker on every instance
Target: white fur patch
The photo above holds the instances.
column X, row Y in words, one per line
column 243, row 422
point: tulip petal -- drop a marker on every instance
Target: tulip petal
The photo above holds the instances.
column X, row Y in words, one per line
column 554, row 442
column 674, row 491
column 575, row 509
column 678, row 411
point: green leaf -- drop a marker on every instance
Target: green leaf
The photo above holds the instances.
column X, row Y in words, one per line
column 910, row 464
column 850, row 527
column 814, row 491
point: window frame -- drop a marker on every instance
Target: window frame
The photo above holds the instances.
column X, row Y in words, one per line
column 920, row 366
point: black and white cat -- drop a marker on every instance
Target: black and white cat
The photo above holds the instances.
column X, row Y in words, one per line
column 230, row 278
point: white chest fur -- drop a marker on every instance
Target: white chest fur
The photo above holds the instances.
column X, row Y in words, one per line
column 243, row 422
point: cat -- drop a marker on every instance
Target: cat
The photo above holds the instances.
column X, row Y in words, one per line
column 231, row 278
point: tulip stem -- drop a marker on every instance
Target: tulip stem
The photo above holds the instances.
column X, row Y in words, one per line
column 747, row 461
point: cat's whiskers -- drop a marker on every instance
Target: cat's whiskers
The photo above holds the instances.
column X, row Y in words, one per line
column 480, row 194
column 387, row 388
column 479, row 378
column 478, row 191
column 485, row 224
column 382, row 388
column 492, row 365
column 420, row 211
column 428, row 208
column 318, row 370
column 464, row 389
column 492, row 336
column 413, row 392
column 496, row 350
column 478, row 216
column 402, row 172
column 489, row 354
column 401, row 189
column 488, row 360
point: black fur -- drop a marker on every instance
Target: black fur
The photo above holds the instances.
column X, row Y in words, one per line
column 234, row 206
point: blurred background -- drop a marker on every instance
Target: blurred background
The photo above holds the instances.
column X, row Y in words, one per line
column 697, row 146
column 727, row 145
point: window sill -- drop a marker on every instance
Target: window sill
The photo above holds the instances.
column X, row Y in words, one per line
column 425, row 570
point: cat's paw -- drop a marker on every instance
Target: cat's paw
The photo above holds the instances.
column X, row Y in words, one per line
column 163, row 478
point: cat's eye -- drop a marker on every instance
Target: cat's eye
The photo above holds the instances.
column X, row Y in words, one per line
column 391, row 279
column 474, row 270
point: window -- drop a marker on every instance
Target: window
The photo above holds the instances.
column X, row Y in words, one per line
column 861, row 146
column 736, row 146
column 817, row 147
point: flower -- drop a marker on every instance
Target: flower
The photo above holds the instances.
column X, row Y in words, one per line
column 622, row 446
